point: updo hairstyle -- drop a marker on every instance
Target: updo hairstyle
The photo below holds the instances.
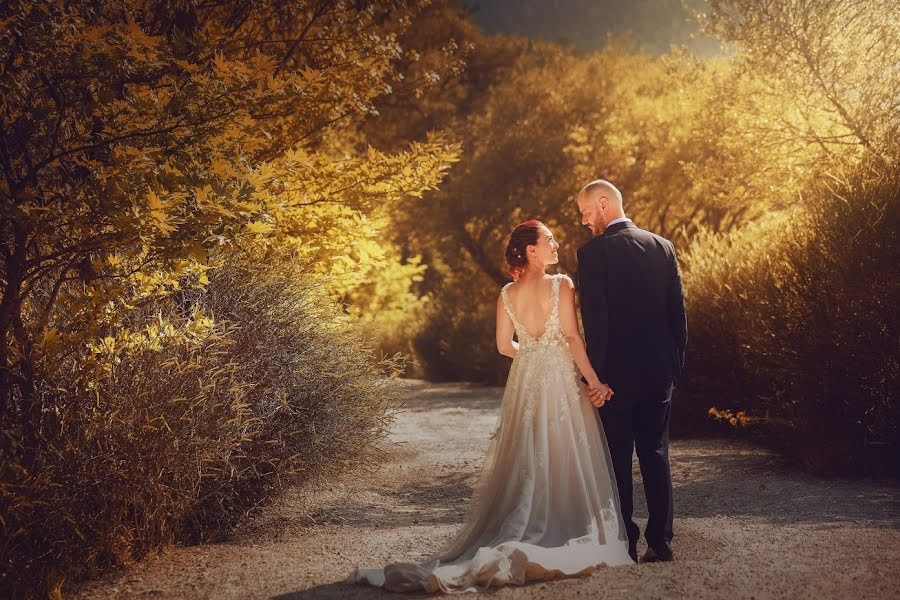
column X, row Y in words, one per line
column 516, row 255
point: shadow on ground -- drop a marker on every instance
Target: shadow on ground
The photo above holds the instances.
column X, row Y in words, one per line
column 439, row 501
column 728, row 478
column 468, row 396
column 339, row 591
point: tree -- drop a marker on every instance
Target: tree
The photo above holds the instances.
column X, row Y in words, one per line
column 138, row 138
column 834, row 62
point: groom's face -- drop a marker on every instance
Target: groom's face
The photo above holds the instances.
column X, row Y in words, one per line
column 592, row 214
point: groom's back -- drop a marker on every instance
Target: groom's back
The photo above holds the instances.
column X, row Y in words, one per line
column 640, row 273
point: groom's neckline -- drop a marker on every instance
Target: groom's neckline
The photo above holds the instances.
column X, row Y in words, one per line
column 617, row 224
column 615, row 227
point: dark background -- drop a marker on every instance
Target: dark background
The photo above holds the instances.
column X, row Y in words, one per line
column 653, row 25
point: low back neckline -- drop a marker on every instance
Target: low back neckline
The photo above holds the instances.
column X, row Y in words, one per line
column 554, row 309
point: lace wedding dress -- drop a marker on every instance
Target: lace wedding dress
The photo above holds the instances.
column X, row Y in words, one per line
column 545, row 504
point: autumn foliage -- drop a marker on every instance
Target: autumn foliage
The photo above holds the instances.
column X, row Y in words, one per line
column 220, row 221
column 144, row 148
column 774, row 171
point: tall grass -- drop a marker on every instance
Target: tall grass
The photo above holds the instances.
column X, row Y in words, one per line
column 794, row 321
column 185, row 435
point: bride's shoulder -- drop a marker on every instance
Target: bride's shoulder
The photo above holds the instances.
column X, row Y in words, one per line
column 565, row 281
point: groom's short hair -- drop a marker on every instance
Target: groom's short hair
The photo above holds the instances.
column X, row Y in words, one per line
column 601, row 186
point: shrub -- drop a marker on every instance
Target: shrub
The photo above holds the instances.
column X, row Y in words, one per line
column 188, row 429
column 321, row 396
column 793, row 320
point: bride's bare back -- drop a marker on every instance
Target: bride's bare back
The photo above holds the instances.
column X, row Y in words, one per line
column 531, row 302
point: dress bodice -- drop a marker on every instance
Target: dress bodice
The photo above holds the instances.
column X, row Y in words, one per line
column 552, row 336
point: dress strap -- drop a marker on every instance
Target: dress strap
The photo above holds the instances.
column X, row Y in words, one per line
column 506, row 304
column 554, row 294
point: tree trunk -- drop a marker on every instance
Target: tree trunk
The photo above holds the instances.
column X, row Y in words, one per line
column 10, row 308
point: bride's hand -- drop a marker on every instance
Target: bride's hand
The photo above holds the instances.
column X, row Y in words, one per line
column 599, row 393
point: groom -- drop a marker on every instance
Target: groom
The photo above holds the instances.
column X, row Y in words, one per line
column 635, row 330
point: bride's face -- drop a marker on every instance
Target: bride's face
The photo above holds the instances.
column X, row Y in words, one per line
column 546, row 250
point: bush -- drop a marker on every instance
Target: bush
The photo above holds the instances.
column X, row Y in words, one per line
column 187, row 431
column 319, row 390
column 793, row 320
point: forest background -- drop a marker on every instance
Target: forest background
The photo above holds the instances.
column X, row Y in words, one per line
column 226, row 227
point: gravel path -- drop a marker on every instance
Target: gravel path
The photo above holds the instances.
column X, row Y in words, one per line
column 747, row 525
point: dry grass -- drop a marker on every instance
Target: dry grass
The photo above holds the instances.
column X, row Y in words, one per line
column 175, row 443
column 793, row 320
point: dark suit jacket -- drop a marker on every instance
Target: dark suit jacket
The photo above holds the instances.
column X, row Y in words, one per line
column 632, row 305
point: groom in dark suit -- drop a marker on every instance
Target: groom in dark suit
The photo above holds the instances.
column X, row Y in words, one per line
column 635, row 330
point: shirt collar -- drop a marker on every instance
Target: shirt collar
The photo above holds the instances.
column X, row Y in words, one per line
column 619, row 220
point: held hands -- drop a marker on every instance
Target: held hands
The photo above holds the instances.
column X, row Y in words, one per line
column 598, row 392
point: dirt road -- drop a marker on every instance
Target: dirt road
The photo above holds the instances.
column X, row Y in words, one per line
column 747, row 525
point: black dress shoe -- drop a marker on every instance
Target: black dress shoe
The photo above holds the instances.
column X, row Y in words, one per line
column 662, row 554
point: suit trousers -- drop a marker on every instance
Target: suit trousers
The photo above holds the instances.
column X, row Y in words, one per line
column 637, row 417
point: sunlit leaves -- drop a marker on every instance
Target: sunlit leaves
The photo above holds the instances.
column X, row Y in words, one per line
column 259, row 227
column 141, row 149
column 832, row 66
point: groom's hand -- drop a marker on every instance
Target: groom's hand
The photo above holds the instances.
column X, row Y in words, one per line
column 600, row 394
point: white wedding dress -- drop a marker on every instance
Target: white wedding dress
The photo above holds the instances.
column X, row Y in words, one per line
column 545, row 504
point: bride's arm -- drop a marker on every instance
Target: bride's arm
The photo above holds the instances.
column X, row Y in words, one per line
column 505, row 330
column 569, row 324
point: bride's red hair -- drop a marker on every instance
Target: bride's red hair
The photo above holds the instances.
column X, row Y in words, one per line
column 516, row 256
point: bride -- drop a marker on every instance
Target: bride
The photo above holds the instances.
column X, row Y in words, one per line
column 545, row 504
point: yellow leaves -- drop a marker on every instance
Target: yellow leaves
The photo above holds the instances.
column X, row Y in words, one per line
column 189, row 67
column 260, row 227
column 262, row 175
column 105, row 345
column 264, row 63
column 171, row 169
column 735, row 419
column 247, row 207
column 137, row 37
column 154, row 202
column 273, row 84
column 369, row 250
column 310, row 76
column 297, row 156
column 199, row 324
column 262, row 196
column 224, row 211
column 197, row 252
column 163, row 96
column 196, row 171
column 142, row 93
column 221, row 63
column 202, row 194
column 158, row 213
column 50, row 339
column 344, row 261
column 221, row 167
column 150, row 283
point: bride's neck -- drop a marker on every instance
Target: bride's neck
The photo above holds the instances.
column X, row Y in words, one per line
column 532, row 272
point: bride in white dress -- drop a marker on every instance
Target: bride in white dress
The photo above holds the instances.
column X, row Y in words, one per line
column 545, row 504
